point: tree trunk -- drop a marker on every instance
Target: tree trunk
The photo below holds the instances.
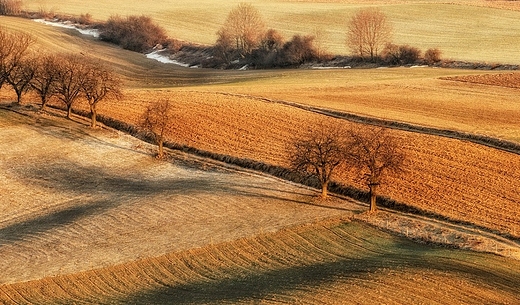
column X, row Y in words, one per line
column 324, row 189
column 93, row 113
column 69, row 111
column 373, row 196
column 19, row 98
column 161, row 149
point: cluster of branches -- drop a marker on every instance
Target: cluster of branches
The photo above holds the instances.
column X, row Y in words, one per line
column 245, row 39
column 324, row 148
column 369, row 37
column 66, row 77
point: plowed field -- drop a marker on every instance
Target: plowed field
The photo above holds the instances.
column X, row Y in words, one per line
column 464, row 181
column 510, row 80
column 324, row 263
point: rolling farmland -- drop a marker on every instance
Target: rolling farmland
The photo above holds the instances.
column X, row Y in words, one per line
column 88, row 216
column 330, row 262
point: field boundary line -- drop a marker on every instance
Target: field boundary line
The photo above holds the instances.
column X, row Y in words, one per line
column 491, row 142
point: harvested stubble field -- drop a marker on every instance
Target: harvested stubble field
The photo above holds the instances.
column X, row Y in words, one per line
column 329, row 262
column 457, row 179
column 74, row 199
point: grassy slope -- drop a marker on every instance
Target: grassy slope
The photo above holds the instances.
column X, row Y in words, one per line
column 461, row 31
column 324, row 263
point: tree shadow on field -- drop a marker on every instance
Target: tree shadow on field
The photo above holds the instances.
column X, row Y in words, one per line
column 33, row 227
column 101, row 189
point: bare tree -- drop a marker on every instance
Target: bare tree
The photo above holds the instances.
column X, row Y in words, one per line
column 368, row 32
column 319, row 152
column 71, row 77
column 100, row 83
column 156, row 119
column 375, row 153
column 46, row 77
column 245, row 27
column 13, row 48
column 21, row 76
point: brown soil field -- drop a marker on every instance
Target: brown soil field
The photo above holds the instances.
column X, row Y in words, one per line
column 509, row 80
column 457, row 179
column 328, row 262
column 75, row 199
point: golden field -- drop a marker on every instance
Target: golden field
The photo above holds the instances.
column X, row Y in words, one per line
column 464, row 30
column 328, row 262
column 87, row 216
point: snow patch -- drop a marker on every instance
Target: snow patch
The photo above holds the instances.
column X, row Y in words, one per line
column 68, row 25
column 165, row 59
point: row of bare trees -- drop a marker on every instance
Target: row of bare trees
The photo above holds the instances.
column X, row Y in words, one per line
column 324, row 148
column 65, row 77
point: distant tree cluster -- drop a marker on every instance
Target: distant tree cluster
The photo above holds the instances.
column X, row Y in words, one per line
column 323, row 148
column 10, row 7
column 135, row 33
column 66, row 77
column 244, row 39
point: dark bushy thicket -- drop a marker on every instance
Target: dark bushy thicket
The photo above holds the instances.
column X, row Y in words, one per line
column 10, row 7
column 401, row 55
column 273, row 52
column 135, row 33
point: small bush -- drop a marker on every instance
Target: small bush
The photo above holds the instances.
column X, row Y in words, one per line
column 134, row 33
column 400, row 55
column 432, row 56
column 299, row 50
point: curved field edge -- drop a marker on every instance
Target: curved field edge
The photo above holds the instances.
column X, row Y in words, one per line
column 328, row 262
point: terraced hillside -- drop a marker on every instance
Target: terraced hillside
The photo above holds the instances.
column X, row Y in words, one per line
column 331, row 262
